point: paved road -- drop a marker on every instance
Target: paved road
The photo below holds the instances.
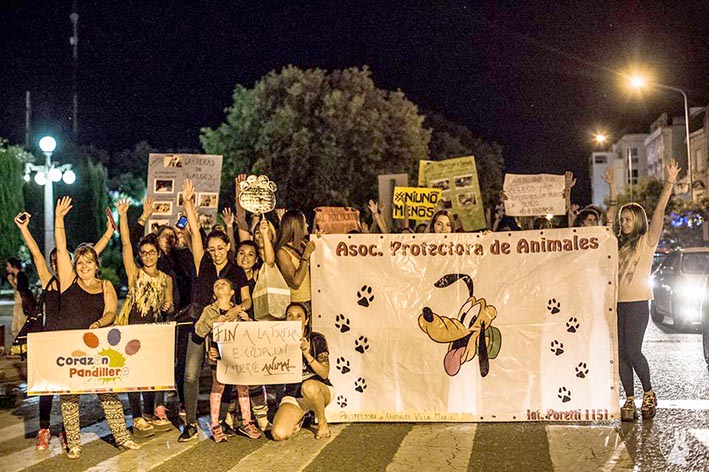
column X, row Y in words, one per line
column 676, row 440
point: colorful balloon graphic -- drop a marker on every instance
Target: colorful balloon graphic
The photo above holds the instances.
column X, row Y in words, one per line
column 132, row 347
column 90, row 340
column 114, row 337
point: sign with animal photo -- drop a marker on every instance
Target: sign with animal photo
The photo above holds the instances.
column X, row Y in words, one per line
column 167, row 172
column 457, row 179
column 534, row 195
column 261, row 353
column 420, row 203
column 114, row 359
column 515, row 326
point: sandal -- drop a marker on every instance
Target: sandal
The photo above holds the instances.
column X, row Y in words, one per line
column 323, row 434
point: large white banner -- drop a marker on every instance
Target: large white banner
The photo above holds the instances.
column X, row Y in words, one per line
column 261, row 353
column 114, row 359
column 402, row 315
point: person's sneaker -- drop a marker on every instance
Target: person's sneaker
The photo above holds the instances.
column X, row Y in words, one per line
column 628, row 412
column 160, row 421
column 142, row 429
column 189, row 432
column 74, row 452
column 217, row 434
column 228, row 430
column 649, row 406
column 43, row 436
column 250, row 430
column 183, row 415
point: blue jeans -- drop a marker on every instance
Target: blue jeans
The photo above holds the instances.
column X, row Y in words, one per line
column 193, row 367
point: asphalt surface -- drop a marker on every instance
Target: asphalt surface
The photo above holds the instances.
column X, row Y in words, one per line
column 676, row 440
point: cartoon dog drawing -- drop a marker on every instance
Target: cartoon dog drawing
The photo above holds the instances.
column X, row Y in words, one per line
column 463, row 333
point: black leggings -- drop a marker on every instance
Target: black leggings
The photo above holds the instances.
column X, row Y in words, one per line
column 148, row 403
column 45, row 410
column 632, row 322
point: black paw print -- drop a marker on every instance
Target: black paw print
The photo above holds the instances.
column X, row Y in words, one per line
column 564, row 394
column 361, row 344
column 553, row 306
column 581, row 370
column 341, row 401
column 342, row 323
column 360, row 385
column 364, row 296
column 557, row 347
column 343, row 365
column 572, row 325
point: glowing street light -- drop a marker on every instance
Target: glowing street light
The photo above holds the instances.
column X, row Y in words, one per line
column 638, row 82
column 600, row 138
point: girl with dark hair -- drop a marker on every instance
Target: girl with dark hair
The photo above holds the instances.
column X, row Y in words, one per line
column 217, row 312
column 315, row 391
column 293, row 256
column 87, row 302
column 442, row 222
column 149, row 299
column 209, row 265
column 636, row 246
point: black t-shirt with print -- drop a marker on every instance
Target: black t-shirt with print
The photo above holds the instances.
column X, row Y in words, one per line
column 318, row 349
column 203, row 285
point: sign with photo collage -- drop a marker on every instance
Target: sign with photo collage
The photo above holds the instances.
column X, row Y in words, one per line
column 457, row 179
column 166, row 174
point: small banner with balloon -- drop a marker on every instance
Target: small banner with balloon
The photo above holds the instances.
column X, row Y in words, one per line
column 114, row 359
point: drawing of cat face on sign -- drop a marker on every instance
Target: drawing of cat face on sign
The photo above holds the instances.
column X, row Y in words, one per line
column 257, row 194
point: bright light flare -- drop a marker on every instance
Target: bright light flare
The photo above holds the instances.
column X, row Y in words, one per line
column 47, row 144
column 600, row 138
column 69, row 177
column 638, row 82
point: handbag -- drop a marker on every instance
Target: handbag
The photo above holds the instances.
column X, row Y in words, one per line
column 271, row 294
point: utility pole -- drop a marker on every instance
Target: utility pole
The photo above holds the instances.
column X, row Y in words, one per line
column 74, row 41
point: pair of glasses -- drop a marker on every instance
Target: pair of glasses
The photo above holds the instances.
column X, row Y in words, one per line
column 152, row 252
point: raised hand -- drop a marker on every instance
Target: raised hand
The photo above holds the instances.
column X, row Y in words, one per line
column 609, row 178
column 373, row 207
column 187, row 191
column 264, row 228
column 228, row 217
column 280, row 212
column 148, row 207
column 63, row 207
column 122, row 207
column 672, row 171
column 22, row 220
column 569, row 180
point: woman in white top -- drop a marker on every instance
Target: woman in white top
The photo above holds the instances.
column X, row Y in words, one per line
column 636, row 245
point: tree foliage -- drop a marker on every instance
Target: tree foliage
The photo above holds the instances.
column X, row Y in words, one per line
column 451, row 139
column 322, row 137
column 12, row 201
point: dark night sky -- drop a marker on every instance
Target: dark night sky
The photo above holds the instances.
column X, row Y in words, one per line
column 537, row 77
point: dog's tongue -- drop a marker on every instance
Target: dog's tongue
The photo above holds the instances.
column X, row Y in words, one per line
column 452, row 360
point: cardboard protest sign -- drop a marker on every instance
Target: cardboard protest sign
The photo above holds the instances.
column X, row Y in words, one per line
column 114, row 359
column 420, row 203
column 513, row 326
column 259, row 353
column 337, row 220
column 257, row 194
column 386, row 186
column 457, row 179
column 166, row 174
column 534, row 195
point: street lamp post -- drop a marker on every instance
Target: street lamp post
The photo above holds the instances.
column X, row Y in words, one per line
column 639, row 82
column 46, row 175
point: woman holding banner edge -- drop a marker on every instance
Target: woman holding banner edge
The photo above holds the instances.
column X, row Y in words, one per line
column 87, row 302
column 636, row 246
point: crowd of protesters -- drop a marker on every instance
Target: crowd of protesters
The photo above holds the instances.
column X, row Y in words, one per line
column 199, row 276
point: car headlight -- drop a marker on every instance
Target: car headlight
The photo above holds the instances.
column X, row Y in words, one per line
column 691, row 291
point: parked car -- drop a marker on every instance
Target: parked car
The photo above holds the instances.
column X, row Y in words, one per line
column 679, row 286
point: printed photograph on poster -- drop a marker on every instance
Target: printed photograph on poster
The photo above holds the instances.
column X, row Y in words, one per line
column 463, row 181
column 172, row 160
column 443, row 184
column 446, row 203
column 466, row 199
column 164, row 186
column 154, row 225
column 208, row 199
column 162, row 208
column 206, row 221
